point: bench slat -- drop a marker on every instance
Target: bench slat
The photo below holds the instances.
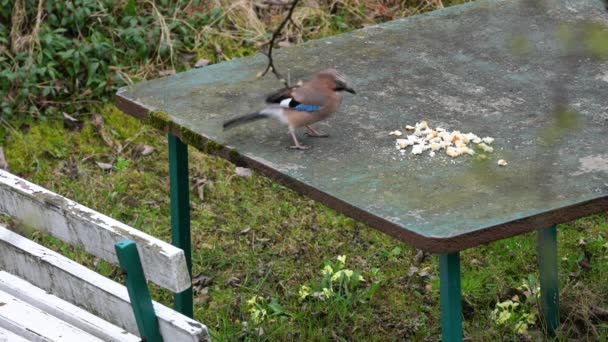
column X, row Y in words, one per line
column 81, row 286
column 36, row 325
column 63, row 310
column 80, row 226
column 9, row 336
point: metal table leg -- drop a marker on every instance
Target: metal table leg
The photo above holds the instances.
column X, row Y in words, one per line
column 546, row 245
column 180, row 214
column 450, row 292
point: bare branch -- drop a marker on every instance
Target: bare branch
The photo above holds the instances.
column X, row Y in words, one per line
column 275, row 35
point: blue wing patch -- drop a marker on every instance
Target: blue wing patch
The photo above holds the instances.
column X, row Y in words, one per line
column 306, row 108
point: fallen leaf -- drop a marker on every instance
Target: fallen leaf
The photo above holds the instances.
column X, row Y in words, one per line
column 167, row 72
column 104, row 166
column 420, row 256
column 232, row 281
column 243, row 172
column 24, row 128
column 202, row 63
column 3, row 162
column 413, row 270
column 582, row 242
column 198, row 183
column 201, row 280
column 103, row 132
column 144, row 150
column 186, row 57
column 206, row 245
column 245, row 231
column 71, row 122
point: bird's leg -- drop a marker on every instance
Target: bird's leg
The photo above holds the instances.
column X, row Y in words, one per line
column 296, row 145
column 314, row 133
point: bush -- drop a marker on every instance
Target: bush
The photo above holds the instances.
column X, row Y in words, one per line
column 81, row 51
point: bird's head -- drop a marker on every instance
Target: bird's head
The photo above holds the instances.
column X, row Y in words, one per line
column 335, row 80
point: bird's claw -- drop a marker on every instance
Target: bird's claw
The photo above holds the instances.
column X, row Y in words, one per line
column 316, row 135
column 300, row 147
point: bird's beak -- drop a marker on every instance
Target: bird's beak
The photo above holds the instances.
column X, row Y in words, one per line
column 350, row 90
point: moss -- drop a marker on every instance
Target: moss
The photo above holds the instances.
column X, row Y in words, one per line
column 159, row 120
column 234, row 155
column 191, row 138
column 212, row 147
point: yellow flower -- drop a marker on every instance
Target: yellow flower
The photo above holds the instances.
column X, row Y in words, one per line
column 348, row 273
column 361, row 278
column 327, row 270
column 521, row 328
column 252, row 300
column 342, row 259
column 503, row 317
column 304, row 292
column 337, row 275
column 327, row 292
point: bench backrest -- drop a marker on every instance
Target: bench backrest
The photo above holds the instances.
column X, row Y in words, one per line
column 80, row 226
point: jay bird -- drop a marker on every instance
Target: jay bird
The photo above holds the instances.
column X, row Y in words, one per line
column 302, row 105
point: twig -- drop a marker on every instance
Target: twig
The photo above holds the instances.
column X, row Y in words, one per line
column 277, row 32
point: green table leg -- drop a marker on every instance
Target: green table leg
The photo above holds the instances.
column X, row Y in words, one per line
column 549, row 284
column 126, row 251
column 451, row 307
column 180, row 214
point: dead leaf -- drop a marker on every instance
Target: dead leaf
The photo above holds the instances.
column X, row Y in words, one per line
column 420, row 256
column 232, row 281
column 582, row 242
column 144, row 150
column 202, row 63
column 584, row 264
column 198, row 183
column 3, row 162
column 167, row 72
column 24, row 128
column 201, row 280
column 413, row 270
column 71, row 122
column 104, row 166
column 103, row 132
column 186, row 57
column 243, row 172
column 245, row 231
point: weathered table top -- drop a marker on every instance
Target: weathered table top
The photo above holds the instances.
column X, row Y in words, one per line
column 461, row 68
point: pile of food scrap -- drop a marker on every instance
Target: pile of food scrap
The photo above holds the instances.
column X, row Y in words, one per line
column 454, row 143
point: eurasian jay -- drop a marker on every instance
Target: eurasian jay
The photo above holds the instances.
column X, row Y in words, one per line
column 302, row 105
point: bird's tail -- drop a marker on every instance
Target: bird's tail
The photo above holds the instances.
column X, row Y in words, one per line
column 243, row 119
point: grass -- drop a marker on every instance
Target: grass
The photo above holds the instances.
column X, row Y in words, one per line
column 253, row 237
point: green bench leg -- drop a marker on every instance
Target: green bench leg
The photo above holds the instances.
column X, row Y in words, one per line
column 546, row 245
column 180, row 214
column 126, row 251
column 451, row 306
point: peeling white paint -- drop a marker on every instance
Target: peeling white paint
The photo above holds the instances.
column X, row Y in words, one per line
column 36, row 325
column 63, row 310
column 87, row 289
column 80, row 226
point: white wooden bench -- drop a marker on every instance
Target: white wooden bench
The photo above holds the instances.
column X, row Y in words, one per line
column 45, row 296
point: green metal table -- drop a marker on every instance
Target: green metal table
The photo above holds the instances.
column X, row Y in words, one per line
column 520, row 71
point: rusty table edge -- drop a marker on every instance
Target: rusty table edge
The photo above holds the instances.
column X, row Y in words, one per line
column 429, row 244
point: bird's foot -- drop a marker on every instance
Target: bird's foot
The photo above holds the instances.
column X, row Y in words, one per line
column 300, row 147
column 316, row 135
